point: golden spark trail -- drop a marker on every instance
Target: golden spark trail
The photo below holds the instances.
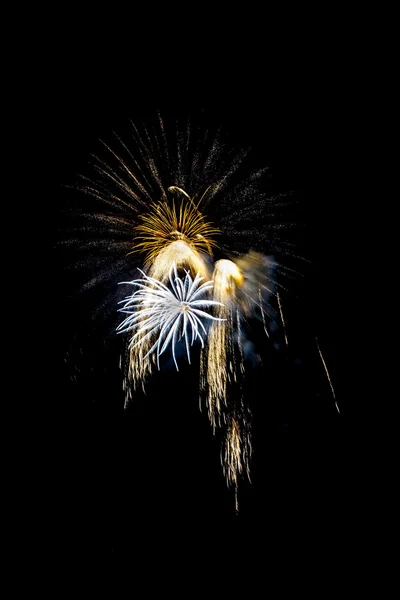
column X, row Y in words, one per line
column 262, row 312
column 223, row 364
column 236, row 453
column 232, row 460
column 283, row 320
column 219, row 360
column 327, row 374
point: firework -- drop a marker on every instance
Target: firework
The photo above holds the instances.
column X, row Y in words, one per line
column 236, row 452
column 242, row 287
column 183, row 227
column 184, row 209
column 163, row 313
column 219, row 364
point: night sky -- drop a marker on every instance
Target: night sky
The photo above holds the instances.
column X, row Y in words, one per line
column 142, row 477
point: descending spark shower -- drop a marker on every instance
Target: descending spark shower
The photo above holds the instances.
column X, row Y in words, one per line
column 197, row 230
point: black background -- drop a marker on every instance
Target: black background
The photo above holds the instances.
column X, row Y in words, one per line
column 151, row 477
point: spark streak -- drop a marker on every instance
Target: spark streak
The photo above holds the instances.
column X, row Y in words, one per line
column 283, row 320
column 236, row 454
column 327, row 374
column 219, row 359
column 164, row 225
column 161, row 313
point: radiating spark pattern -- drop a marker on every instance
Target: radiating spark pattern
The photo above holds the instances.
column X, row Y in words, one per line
column 164, row 225
column 167, row 314
column 167, row 201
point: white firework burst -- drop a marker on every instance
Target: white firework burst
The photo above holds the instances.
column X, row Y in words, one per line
column 156, row 310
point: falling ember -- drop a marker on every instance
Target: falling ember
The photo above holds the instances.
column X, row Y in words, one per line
column 282, row 319
column 327, row 374
column 262, row 312
column 236, row 452
column 219, row 360
column 222, row 368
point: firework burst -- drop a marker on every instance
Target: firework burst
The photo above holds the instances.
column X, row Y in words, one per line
column 167, row 314
column 171, row 202
column 181, row 226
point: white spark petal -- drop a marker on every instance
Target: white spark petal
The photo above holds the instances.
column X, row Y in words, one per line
column 154, row 307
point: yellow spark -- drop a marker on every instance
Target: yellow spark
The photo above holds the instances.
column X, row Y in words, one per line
column 262, row 311
column 181, row 253
column 281, row 313
column 236, row 454
column 165, row 224
column 140, row 366
column 327, row 374
column 227, row 277
column 232, row 460
column 222, row 364
column 219, row 360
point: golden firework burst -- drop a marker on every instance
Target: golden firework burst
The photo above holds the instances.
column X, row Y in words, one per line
column 179, row 228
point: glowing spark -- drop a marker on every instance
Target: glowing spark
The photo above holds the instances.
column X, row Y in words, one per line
column 262, row 311
column 327, row 374
column 228, row 276
column 283, row 320
column 164, row 225
column 237, row 286
column 219, row 361
column 156, row 311
column 183, row 255
column 175, row 188
column 236, row 453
